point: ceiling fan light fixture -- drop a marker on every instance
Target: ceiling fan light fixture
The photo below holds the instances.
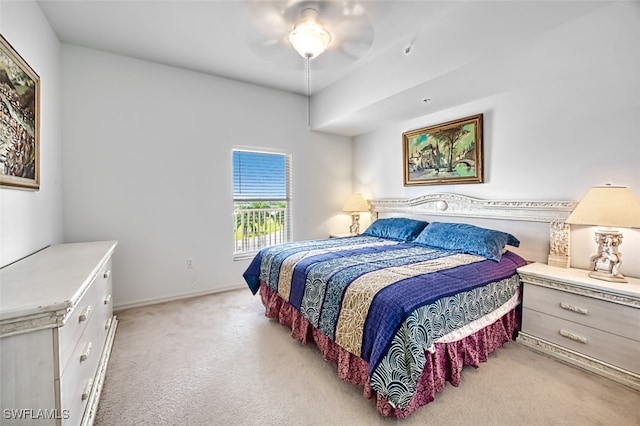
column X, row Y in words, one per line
column 309, row 37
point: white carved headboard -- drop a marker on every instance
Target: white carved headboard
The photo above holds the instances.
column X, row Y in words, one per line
column 554, row 213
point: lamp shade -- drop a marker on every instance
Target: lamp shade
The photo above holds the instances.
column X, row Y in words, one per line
column 309, row 37
column 607, row 205
column 355, row 203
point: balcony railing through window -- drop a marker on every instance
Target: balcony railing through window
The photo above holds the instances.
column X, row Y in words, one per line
column 258, row 227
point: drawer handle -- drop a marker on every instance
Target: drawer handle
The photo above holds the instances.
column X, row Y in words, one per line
column 107, row 274
column 107, row 299
column 107, row 325
column 574, row 308
column 86, row 353
column 574, row 337
column 87, row 390
column 85, row 314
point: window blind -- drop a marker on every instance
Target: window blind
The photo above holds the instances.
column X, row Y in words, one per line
column 260, row 175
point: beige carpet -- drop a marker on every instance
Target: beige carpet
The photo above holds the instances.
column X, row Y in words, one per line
column 217, row 360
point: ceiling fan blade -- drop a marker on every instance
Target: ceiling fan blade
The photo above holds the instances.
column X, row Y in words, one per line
column 266, row 19
column 355, row 50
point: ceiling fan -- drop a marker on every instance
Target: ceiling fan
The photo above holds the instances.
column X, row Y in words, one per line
column 270, row 24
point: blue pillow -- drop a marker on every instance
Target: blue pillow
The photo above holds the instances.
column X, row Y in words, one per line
column 396, row 228
column 466, row 238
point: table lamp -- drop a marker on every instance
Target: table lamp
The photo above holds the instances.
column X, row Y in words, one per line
column 355, row 204
column 608, row 206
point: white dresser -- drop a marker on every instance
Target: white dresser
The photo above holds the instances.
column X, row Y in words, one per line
column 589, row 323
column 56, row 332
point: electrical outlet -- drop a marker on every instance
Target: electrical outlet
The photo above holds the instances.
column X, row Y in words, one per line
column 190, row 263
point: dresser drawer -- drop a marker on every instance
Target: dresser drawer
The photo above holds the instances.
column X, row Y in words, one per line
column 89, row 308
column 90, row 344
column 77, row 380
column 611, row 348
column 607, row 316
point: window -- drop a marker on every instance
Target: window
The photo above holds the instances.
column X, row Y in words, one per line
column 262, row 200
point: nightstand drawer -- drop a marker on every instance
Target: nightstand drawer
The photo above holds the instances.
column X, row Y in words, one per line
column 590, row 323
column 610, row 348
column 611, row 317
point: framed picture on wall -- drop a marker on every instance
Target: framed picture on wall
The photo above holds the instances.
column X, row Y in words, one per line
column 19, row 121
column 443, row 154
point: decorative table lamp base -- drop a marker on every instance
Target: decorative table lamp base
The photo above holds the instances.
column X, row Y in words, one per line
column 355, row 224
column 606, row 263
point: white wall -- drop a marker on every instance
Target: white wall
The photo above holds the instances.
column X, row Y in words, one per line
column 147, row 162
column 573, row 127
column 31, row 220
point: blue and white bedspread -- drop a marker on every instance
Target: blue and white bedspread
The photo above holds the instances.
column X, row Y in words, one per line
column 384, row 301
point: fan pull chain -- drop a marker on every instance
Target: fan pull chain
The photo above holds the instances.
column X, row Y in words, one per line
column 308, row 93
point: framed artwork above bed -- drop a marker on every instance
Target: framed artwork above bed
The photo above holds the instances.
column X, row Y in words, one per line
column 447, row 153
column 19, row 121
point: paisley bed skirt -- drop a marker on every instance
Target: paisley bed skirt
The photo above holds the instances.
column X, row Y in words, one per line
column 443, row 365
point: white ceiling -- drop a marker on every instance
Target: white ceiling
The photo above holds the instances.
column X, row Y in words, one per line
column 220, row 38
column 211, row 36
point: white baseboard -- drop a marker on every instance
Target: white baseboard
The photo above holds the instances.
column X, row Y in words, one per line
column 156, row 300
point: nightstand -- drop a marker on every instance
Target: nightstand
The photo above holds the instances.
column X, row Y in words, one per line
column 339, row 235
column 589, row 323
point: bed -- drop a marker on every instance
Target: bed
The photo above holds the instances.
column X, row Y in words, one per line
column 404, row 306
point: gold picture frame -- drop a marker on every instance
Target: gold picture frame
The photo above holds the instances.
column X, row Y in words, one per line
column 19, row 121
column 444, row 154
